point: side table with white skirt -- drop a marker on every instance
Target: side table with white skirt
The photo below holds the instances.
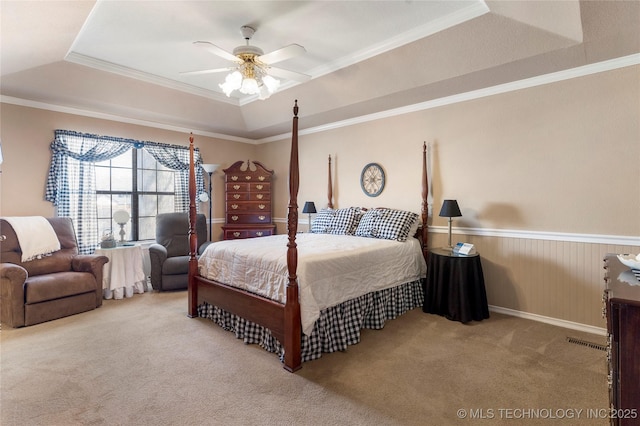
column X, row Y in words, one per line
column 123, row 275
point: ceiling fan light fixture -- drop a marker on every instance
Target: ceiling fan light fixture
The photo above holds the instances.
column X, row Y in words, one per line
column 249, row 86
column 250, row 75
column 232, row 82
column 271, row 83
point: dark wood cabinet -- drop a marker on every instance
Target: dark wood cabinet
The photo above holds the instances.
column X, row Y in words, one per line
column 247, row 201
column 622, row 311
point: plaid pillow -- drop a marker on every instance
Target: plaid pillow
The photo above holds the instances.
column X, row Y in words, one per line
column 388, row 224
column 340, row 221
column 322, row 221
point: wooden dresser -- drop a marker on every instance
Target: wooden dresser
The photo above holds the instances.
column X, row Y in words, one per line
column 622, row 311
column 248, row 201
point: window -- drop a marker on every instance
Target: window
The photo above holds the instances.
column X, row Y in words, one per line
column 137, row 183
column 143, row 178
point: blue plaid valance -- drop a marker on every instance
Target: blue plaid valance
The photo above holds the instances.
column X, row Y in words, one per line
column 71, row 180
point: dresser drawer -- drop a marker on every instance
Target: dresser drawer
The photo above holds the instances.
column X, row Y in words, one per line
column 237, row 187
column 248, row 207
column 248, row 196
column 260, row 187
column 237, row 196
column 232, row 233
column 239, row 177
column 248, row 218
column 235, row 234
column 260, row 233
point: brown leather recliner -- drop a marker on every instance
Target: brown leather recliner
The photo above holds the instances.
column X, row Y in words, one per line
column 58, row 285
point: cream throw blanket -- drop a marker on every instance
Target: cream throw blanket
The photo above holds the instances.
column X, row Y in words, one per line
column 35, row 235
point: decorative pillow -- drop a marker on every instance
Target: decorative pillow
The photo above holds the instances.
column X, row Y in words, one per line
column 322, row 221
column 415, row 226
column 340, row 221
column 388, row 224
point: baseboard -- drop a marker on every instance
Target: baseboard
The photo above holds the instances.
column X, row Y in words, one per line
column 548, row 320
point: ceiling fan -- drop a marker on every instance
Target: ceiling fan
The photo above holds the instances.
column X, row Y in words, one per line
column 253, row 73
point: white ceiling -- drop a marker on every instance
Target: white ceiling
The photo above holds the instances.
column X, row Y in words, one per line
column 125, row 58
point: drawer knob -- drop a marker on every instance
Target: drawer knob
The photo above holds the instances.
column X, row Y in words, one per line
column 261, row 178
column 259, row 196
column 234, row 218
column 234, row 177
column 259, row 233
column 234, row 206
column 261, row 206
column 259, row 186
column 236, row 187
column 236, row 196
column 262, row 217
column 236, row 234
column 247, row 177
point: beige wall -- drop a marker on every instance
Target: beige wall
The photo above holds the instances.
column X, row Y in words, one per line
column 558, row 163
column 562, row 157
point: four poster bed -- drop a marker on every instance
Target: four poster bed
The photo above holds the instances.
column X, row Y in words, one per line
column 302, row 306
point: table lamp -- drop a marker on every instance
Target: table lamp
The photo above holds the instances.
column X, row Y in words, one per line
column 450, row 209
column 121, row 217
column 309, row 207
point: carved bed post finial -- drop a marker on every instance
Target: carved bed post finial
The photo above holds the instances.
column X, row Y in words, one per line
column 425, row 204
column 193, row 236
column 292, row 323
column 330, row 189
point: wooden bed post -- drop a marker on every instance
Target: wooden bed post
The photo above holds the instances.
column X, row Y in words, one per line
column 425, row 203
column 292, row 322
column 193, row 236
column 330, row 189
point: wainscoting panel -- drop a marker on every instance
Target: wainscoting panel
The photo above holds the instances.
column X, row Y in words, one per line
column 550, row 278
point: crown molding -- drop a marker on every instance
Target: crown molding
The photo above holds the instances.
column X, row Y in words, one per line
column 110, row 67
column 118, row 118
column 609, row 65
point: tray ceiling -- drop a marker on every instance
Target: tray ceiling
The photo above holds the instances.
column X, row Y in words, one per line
column 125, row 58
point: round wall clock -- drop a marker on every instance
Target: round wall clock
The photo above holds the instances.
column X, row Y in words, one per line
column 372, row 179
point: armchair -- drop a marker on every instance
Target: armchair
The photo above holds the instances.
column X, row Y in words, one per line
column 54, row 286
column 170, row 254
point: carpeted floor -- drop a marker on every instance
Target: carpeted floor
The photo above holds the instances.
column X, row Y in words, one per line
column 142, row 361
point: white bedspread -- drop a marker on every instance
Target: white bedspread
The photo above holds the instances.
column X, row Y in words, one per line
column 331, row 268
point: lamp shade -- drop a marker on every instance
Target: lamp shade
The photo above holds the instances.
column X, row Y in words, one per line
column 450, row 209
column 121, row 217
column 210, row 168
column 309, row 207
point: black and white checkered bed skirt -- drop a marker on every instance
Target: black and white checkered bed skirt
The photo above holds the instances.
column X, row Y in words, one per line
column 336, row 328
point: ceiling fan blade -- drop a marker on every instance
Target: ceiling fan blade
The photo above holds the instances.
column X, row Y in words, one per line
column 211, row 71
column 289, row 75
column 218, row 51
column 282, row 54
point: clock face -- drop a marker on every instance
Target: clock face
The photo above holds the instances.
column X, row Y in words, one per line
column 372, row 179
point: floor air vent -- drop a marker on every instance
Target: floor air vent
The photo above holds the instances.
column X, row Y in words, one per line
column 587, row 343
